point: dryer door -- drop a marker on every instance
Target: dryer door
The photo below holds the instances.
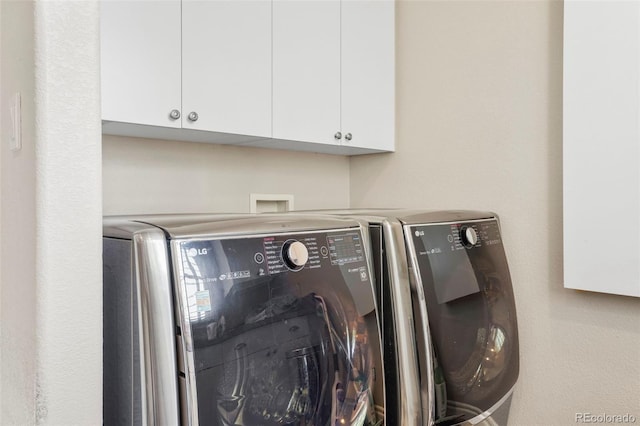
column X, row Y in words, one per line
column 278, row 330
column 471, row 314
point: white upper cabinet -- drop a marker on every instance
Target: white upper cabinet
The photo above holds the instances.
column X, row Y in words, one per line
column 206, row 62
column 368, row 74
column 334, row 72
column 306, row 70
column 141, row 61
column 226, row 66
column 314, row 75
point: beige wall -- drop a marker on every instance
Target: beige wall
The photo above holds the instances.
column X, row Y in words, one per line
column 479, row 112
column 161, row 176
column 18, row 286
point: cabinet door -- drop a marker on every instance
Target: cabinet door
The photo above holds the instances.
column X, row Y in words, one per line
column 368, row 73
column 140, row 48
column 226, row 66
column 601, row 146
column 306, row 70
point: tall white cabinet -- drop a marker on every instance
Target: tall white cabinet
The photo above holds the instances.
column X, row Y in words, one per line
column 601, row 146
column 314, row 75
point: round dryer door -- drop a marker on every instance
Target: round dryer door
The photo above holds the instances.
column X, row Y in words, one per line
column 284, row 330
column 471, row 314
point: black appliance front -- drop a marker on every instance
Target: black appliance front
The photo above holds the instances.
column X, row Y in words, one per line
column 471, row 315
column 284, row 329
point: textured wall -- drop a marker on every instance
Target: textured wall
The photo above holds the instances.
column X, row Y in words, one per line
column 161, row 176
column 479, row 107
column 51, row 219
column 68, row 213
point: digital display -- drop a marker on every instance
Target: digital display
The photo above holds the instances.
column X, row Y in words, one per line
column 345, row 248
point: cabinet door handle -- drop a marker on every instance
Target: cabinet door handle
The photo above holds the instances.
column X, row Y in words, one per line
column 174, row 114
column 193, row 116
column 348, row 136
column 338, row 136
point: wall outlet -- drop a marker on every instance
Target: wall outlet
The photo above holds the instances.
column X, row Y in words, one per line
column 271, row 203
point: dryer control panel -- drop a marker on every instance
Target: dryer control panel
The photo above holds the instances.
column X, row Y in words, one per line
column 458, row 236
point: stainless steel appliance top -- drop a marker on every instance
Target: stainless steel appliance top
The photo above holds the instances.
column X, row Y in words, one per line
column 408, row 216
column 221, row 225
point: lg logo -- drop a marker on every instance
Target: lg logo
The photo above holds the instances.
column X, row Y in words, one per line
column 197, row 252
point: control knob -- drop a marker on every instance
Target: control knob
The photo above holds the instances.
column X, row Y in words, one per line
column 469, row 236
column 295, row 254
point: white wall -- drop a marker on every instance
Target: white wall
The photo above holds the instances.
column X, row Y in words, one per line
column 161, row 176
column 479, row 111
column 51, row 280
column 68, row 213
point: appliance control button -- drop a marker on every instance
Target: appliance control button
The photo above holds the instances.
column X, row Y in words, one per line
column 295, row 254
column 469, row 236
column 258, row 258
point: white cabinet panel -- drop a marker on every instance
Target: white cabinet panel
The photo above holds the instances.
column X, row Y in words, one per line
column 286, row 74
column 602, row 146
column 140, row 48
column 306, row 70
column 226, row 66
column 368, row 73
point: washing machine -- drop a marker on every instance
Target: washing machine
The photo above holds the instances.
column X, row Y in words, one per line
column 252, row 320
column 462, row 308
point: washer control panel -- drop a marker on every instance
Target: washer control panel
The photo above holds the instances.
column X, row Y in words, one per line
column 314, row 260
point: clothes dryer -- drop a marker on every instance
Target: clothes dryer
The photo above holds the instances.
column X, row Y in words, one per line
column 462, row 281
column 227, row 320
column 463, row 309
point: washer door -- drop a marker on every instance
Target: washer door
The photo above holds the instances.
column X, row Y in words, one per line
column 279, row 343
column 471, row 315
